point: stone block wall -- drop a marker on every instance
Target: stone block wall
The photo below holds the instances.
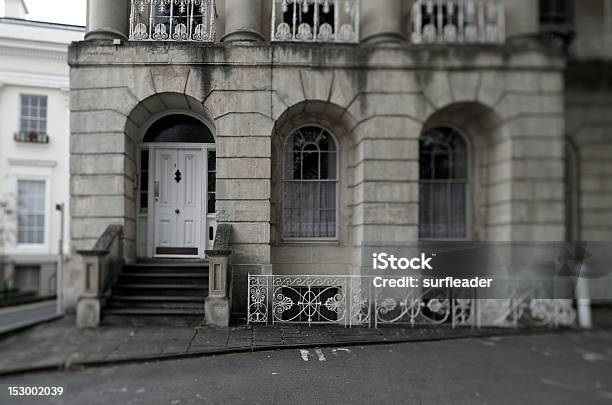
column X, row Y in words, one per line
column 589, row 130
column 378, row 99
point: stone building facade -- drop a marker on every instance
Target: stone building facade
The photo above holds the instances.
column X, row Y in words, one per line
column 504, row 92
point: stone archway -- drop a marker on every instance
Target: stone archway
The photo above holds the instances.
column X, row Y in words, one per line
column 173, row 138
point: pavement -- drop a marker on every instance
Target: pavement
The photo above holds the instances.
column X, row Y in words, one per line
column 23, row 316
column 551, row 368
column 60, row 345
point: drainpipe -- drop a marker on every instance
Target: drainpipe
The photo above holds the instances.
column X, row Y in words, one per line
column 60, row 264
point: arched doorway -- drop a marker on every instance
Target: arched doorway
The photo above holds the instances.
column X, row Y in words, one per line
column 176, row 187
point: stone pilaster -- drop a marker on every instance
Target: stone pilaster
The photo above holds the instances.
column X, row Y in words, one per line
column 107, row 19
column 383, row 21
column 521, row 17
column 242, row 21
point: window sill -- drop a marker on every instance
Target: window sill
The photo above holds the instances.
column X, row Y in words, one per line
column 310, row 242
column 31, row 137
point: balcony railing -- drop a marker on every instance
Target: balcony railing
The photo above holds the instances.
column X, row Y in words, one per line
column 172, row 20
column 458, row 21
column 31, row 137
column 315, row 20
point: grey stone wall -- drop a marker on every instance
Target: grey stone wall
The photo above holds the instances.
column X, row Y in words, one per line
column 379, row 99
column 589, row 128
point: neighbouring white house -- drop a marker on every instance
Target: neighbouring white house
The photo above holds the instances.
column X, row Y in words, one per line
column 34, row 147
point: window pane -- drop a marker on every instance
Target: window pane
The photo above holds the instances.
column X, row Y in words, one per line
column 212, row 182
column 33, row 114
column 310, row 165
column 31, row 211
column 328, row 166
column 443, row 167
column 309, row 204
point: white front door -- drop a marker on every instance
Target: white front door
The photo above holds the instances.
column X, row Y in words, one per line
column 178, row 202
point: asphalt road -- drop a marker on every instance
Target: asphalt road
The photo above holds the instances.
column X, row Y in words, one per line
column 567, row 368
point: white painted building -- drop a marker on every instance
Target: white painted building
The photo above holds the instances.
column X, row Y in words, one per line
column 34, row 145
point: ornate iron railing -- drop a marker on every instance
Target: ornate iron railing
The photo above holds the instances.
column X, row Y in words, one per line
column 354, row 300
column 315, row 20
column 458, row 21
column 172, row 20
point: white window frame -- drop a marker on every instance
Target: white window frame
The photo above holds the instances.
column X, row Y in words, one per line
column 338, row 183
column 21, row 116
column 33, row 246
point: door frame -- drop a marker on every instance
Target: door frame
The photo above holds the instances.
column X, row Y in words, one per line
column 204, row 148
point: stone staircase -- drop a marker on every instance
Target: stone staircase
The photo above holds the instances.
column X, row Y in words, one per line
column 160, row 292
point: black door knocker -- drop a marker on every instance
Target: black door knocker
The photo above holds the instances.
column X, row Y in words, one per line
column 177, row 176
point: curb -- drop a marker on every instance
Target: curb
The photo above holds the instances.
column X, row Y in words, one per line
column 81, row 365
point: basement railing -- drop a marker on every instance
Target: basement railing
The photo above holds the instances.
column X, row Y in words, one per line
column 315, row 21
column 357, row 301
column 458, row 21
column 173, row 20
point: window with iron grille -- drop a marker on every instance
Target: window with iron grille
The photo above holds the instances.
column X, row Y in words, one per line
column 556, row 13
column 443, row 185
column 31, row 211
column 33, row 114
column 310, row 185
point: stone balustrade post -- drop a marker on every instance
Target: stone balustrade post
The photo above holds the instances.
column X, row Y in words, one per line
column 522, row 17
column 242, row 21
column 217, row 307
column 107, row 19
column 383, row 21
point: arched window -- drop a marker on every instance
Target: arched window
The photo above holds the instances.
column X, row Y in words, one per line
column 310, row 185
column 443, row 207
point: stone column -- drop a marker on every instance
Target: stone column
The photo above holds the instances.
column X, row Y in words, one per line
column 107, row 19
column 242, row 21
column 383, row 21
column 522, row 17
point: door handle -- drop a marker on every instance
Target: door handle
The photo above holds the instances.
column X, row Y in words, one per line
column 177, row 211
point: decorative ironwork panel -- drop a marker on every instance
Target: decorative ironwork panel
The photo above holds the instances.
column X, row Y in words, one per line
column 458, row 21
column 309, row 299
column 172, row 20
column 354, row 300
column 257, row 299
column 315, row 20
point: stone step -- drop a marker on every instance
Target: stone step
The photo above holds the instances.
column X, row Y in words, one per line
column 160, row 298
column 167, row 267
column 154, row 311
column 138, row 320
column 140, row 289
column 162, row 278
column 114, row 303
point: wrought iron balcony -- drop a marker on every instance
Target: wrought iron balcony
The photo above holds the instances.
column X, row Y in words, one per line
column 458, row 21
column 172, row 20
column 315, row 21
